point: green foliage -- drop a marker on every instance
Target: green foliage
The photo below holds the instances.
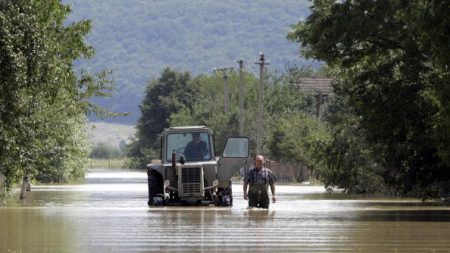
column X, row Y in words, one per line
column 205, row 106
column 350, row 162
column 298, row 136
column 42, row 101
column 391, row 72
column 166, row 95
column 208, row 105
column 433, row 22
column 106, row 151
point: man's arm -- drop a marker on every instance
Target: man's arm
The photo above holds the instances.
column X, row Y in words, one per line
column 245, row 191
column 272, row 189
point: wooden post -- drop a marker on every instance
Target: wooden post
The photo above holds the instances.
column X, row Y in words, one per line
column 2, row 187
column 2, row 181
column 241, row 98
column 25, row 187
column 260, row 119
column 226, row 99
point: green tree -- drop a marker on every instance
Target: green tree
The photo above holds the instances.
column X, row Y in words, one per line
column 349, row 161
column 168, row 94
column 105, row 151
column 379, row 53
column 283, row 100
column 208, row 105
column 293, row 134
column 433, row 22
column 43, row 101
column 298, row 136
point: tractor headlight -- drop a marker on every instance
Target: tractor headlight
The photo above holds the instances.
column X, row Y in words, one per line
column 166, row 183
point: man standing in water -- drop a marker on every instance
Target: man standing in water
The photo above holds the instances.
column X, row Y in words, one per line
column 258, row 179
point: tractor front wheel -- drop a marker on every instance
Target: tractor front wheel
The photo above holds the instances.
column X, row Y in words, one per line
column 155, row 187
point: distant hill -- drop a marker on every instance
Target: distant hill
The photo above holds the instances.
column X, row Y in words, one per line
column 138, row 38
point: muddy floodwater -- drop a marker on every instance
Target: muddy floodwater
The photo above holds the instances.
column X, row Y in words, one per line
column 109, row 213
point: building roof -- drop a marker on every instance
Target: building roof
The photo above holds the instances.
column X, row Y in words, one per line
column 315, row 84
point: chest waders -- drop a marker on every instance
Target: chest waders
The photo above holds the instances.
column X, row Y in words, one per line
column 258, row 195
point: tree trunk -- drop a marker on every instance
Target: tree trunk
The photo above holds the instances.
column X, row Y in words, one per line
column 25, row 187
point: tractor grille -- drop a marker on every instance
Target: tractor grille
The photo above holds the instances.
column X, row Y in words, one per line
column 191, row 179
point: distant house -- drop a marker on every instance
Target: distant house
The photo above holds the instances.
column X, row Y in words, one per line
column 320, row 87
column 315, row 85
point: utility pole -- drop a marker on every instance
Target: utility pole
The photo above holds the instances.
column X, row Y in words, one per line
column 319, row 103
column 260, row 122
column 320, row 97
column 225, row 87
column 241, row 97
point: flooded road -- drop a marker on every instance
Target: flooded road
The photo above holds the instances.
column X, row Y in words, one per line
column 109, row 213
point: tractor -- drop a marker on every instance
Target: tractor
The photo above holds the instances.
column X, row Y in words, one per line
column 189, row 172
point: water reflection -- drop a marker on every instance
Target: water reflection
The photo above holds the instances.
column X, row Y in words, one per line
column 30, row 230
column 109, row 214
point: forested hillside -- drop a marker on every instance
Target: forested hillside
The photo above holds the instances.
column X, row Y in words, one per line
column 137, row 39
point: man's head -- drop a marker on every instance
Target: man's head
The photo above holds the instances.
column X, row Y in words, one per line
column 196, row 138
column 259, row 161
